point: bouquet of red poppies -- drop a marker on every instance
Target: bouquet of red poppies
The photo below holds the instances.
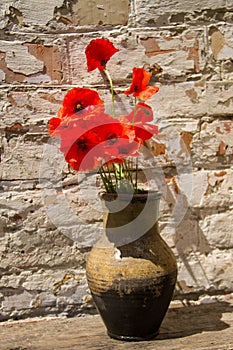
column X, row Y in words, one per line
column 92, row 139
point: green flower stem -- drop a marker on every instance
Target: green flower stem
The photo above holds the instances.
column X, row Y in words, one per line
column 103, row 178
column 118, row 171
column 116, row 174
column 112, row 91
column 115, row 171
column 111, row 177
column 127, row 171
column 107, row 179
column 136, row 179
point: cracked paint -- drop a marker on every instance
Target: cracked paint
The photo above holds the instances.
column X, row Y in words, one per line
column 30, row 62
column 37, row 12
column 182, row 49
column 220, row 49
column 19, row 60
column 85, row 12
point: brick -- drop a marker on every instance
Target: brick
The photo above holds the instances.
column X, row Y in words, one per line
column 201, row 246
column 20, row 103
column 82, row 13
column 215, row 275
column 161, row 12
column 222, row 102
column 14, row 157
column 59, row 14
column 227, row 70
column 181, row 53
column 31, row 230
column 184, row 99
column 211, row 189
column 36, row 13
column 50, row 57
column 213, row 147
column 25, row 130
column 220, row 42
column 218, row 230
column 35, row 63
column 189, row 98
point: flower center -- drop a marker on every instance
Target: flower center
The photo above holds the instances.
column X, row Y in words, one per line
column 112, row 138
column 123, row 150
column 82, row 144
column 78, row 107
column 103, row 63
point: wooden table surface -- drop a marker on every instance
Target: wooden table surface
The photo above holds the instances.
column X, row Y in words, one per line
column 205, row 326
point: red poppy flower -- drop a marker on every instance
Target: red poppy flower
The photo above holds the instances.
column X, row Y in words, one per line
column 142, row 113
column 86, row 144
column 138, row 120
column 139, row 87
column 78, row 99
column 117, row 142
column 128, row 148
column 87, row 141
column 53, row 125
column 98, row 53
column 91, row 124
column 77, row 102
column 83, row 155
column 145, row 132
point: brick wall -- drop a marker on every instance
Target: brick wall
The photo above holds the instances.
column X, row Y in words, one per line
column 46, row 227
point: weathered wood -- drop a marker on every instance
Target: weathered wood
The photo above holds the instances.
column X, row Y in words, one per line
column 205, row 326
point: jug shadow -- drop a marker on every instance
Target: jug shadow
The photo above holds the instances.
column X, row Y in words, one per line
column 188, row 320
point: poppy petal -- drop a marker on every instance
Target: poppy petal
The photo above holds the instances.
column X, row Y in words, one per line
column 53, row 124
column 78, row 99
column 148, row 92
column 98, row 53
column 139, row 87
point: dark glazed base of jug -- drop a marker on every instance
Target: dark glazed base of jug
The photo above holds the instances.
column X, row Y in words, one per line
column 136, row 316
column 127, row 338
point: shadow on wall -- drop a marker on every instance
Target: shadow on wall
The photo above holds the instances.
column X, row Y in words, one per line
column 190, row 240
column 191, row 244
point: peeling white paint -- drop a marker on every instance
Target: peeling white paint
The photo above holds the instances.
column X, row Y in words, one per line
column 37, row 12
column 19, row 60
column 2, row 75
column 225, row 53
column 38, row 78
